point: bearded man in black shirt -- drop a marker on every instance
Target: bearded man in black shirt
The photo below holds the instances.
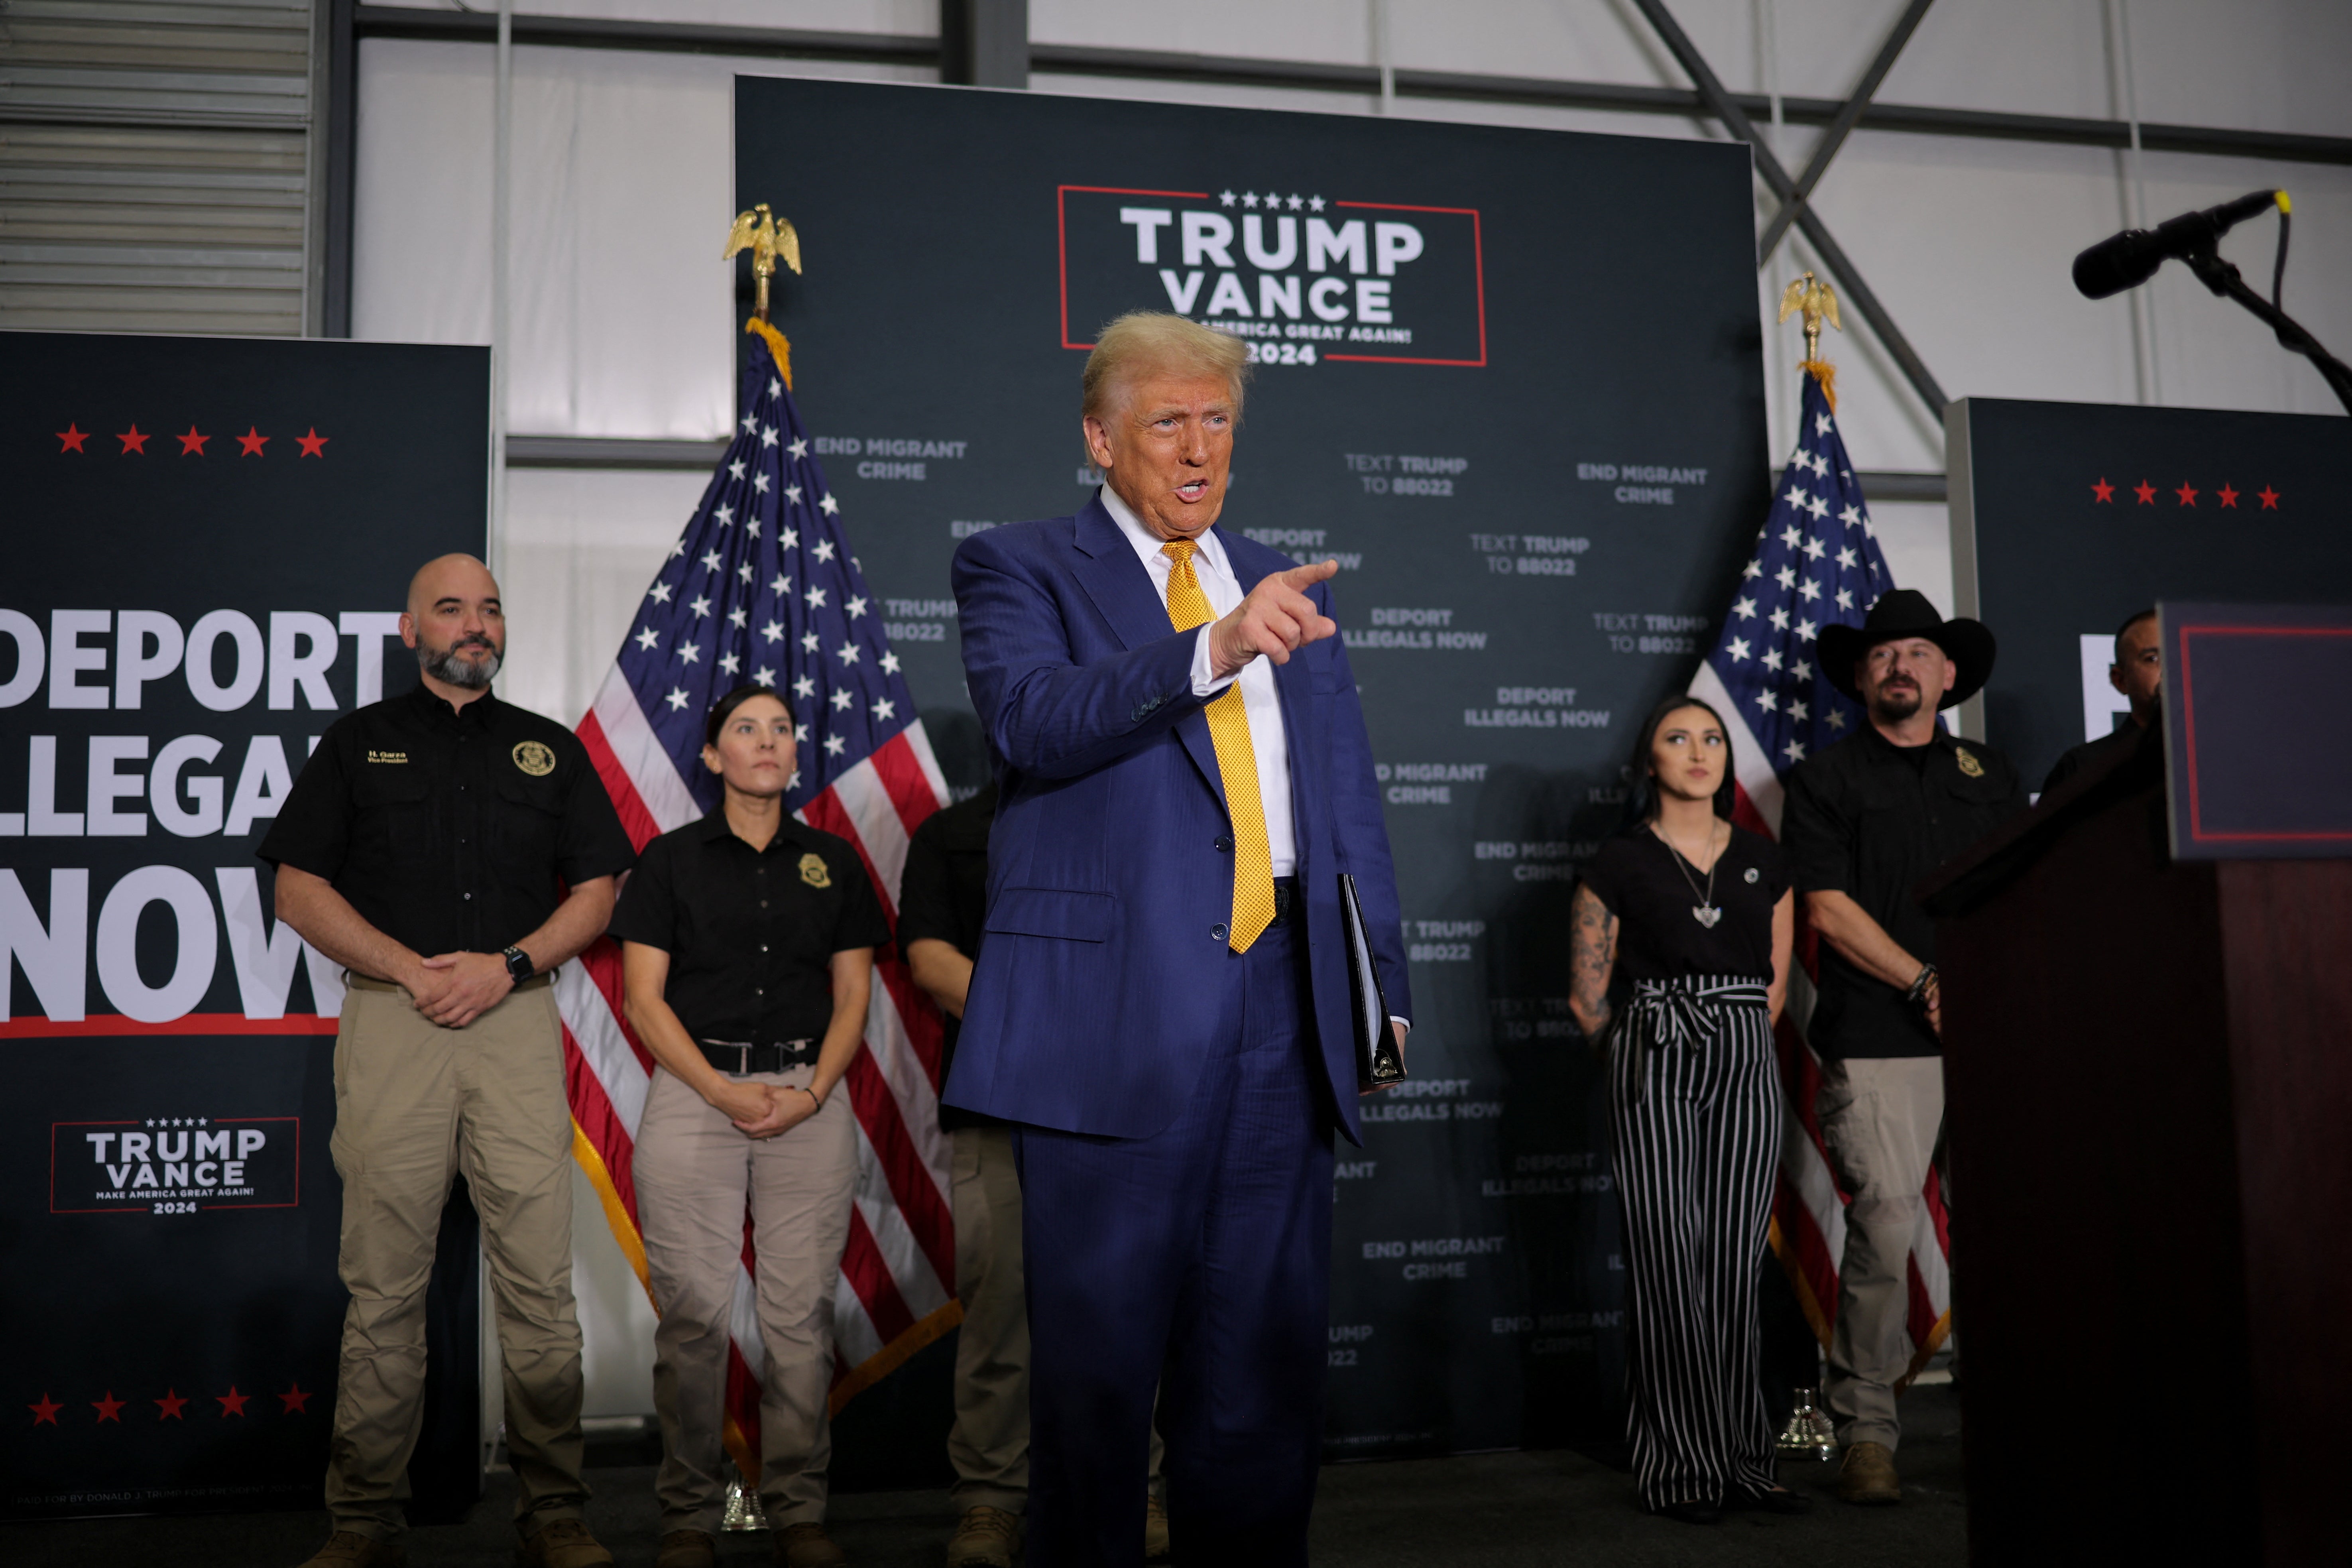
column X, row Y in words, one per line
column 1863, row 822
column 427, row 848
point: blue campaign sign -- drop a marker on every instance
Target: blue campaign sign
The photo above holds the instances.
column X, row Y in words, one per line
column 2258, row 731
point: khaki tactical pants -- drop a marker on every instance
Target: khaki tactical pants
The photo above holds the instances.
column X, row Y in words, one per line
column 415, row 1104
column 1880, row 1115
column 694, row 1174
column 989, row 1444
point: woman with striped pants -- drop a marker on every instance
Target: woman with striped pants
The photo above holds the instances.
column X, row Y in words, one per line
column 1697, row 914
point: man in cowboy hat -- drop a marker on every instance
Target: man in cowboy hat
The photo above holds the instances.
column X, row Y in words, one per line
column 1863, row 820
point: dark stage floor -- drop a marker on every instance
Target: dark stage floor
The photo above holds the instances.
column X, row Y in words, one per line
column 1496, row 1510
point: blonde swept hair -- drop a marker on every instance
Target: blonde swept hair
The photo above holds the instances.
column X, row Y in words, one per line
column 1145, row 341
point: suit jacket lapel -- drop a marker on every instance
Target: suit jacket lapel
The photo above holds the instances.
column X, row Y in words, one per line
column 1122, row 590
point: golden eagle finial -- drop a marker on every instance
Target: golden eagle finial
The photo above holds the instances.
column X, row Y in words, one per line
column 1818, row 300
column 766, row 236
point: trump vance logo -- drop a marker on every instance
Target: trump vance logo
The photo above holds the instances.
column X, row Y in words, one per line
column 175, row 1164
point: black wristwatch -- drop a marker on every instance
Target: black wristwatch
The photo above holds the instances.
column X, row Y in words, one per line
column 518, row 964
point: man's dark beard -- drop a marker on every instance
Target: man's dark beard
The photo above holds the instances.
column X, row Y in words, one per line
column 467, row 674
column 1897, row 703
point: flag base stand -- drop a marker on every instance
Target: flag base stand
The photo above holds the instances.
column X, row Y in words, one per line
column 743, row 1510
column 1808, row 1436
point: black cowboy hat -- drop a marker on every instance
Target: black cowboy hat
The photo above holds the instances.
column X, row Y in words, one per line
column 1906, row 613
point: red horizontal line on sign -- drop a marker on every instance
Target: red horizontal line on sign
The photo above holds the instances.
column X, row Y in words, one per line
column 1124, row 191
column 193, row 1024
column 1400, row 359
column 1407, row 207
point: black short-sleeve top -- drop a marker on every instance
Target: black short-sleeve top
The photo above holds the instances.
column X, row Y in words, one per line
column 449, row 829
column 751, row 933
column 1648, row 888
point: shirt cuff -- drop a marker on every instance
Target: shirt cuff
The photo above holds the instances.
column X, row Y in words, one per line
column 1206, row 681
column 1406, row 1022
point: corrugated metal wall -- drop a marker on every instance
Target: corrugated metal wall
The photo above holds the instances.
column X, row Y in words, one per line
column 156, row 166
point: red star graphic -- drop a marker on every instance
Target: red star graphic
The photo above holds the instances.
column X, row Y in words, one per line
column 2187, row 492
column 109, row 1408
column 253, row 440
column 2103, row 491
column 2268, row 497
column 191, row 442
column 45, row 1411
column 313, row 444
column 294, row 1399
column 2229, row 497
column 170, row 1404
column 132, row 441
column 232, row 1403
column 73, row 436
column 2146, row 491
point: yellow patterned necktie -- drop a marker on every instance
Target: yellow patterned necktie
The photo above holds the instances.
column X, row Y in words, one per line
column 1188, row 607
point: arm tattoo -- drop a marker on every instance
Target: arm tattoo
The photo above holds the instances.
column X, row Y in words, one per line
column 1592, row 954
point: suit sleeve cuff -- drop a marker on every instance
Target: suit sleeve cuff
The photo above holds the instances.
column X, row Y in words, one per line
column 1206, row 681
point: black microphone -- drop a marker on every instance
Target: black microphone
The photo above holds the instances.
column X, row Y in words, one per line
column 2130, row 258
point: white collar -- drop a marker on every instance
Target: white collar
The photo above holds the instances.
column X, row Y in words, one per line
column 1147, row 544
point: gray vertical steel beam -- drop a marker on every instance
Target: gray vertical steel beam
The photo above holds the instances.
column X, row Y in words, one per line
column 984, row 43
column 337, row 120
column 1840, row 128
column 1719, row 104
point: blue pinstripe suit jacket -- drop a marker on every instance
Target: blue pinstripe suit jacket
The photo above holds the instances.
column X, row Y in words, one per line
column 1098, row 983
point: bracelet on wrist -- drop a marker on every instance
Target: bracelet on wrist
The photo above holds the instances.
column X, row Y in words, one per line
column 1918, row 992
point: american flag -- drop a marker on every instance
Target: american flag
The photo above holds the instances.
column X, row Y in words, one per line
column 762, row 586
column 1817, row 563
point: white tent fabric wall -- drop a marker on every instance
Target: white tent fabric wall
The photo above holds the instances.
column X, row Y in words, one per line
column 625, row 318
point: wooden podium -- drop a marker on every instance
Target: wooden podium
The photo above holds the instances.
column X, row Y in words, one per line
column 2148, row 1073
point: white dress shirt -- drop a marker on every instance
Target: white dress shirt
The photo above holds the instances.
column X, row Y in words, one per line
column 1260, row 701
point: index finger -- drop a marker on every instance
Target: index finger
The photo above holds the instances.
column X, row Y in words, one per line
column 1307, row 576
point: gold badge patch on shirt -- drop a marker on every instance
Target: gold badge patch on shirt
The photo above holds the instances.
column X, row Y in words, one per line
column 1969, row 764
column 536, row 758
column 813, row 873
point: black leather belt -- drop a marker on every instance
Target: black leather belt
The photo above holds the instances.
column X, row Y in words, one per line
column 1286, row 898
column 734, row 1057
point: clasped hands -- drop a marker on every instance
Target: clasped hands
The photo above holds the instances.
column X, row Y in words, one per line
column 764, row 1110
column 456, row 988
column 1276, row 620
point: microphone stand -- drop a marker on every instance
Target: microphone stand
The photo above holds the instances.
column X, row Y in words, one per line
column 2223, row 279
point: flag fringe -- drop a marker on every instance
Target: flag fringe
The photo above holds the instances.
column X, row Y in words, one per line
column 781, row 347
column 616, row 1213
column 1806, row 1299
column 894, row 1355
column 1822, row 372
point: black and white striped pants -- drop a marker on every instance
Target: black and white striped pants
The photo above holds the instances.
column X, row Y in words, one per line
column 1695, row 1118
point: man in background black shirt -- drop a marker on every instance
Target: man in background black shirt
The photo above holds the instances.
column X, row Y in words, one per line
column 426, row 848
column 2138, row 674
column 942, row 899
column 1863, row 821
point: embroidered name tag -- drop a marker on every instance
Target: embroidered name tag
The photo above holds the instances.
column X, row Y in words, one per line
column 387, row 756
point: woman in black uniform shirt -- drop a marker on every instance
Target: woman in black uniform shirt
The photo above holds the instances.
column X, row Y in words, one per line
column 747, row 951
column 1698, row 913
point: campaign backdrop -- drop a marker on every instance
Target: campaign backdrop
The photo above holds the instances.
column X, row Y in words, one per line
column 2067, row 517
column 1511, row 380
column 207, row 544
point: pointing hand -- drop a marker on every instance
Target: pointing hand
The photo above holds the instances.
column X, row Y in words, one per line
column 1276, row 620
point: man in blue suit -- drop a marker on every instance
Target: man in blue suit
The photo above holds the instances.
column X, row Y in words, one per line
column 1161, row 1002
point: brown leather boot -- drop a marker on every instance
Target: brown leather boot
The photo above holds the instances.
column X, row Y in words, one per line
column 1155, row 1529
column 807, row 1546
column 984, row 1538
column 349, row 1549
column 562, row 1543
column 1866, row 1475
column 688, row 1549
